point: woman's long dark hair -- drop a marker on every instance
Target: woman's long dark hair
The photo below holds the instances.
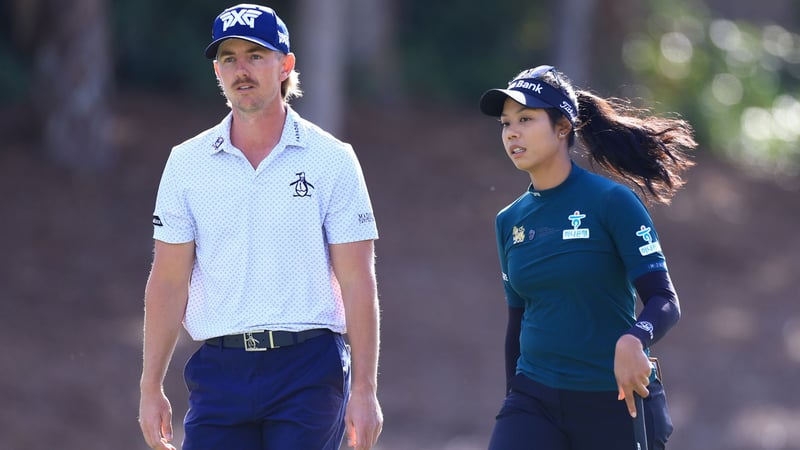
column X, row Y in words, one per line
column 628, row 142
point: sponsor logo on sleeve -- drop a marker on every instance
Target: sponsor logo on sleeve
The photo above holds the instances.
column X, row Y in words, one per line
column 157, row 221
column 646, row 326
column 651, row 246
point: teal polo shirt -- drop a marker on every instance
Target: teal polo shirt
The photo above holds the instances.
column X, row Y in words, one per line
column 569, row 256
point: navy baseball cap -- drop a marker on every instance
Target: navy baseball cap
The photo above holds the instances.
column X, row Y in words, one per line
column 254, row 23
column 529, row 90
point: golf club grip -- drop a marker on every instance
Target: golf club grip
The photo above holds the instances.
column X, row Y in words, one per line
column 639, row 429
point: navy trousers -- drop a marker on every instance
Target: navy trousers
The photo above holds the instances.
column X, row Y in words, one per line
column 537, row 417
column 285, row 398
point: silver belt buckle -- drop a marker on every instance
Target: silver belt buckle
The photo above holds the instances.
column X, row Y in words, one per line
column 251, row 343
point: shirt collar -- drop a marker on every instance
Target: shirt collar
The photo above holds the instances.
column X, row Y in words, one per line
column 292, row 135
column 574, row 173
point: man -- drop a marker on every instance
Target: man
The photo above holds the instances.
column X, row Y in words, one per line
column 264, row 235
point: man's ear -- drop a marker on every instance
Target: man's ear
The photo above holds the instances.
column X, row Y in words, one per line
column 288, row 65
column 216, row 69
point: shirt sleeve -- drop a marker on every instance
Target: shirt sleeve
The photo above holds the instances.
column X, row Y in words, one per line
column 661, row 307
column 350, row 217
column 634, row 234
column 172, row 222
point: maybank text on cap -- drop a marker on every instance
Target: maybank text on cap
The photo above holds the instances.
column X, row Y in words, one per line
column 531, row 91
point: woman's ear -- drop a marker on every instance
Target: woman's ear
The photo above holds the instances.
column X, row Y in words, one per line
column 563, row 128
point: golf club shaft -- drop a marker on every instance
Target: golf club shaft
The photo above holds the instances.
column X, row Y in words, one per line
column 639, row 429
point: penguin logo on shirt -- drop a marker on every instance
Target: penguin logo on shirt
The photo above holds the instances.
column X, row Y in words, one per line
column 301, row 186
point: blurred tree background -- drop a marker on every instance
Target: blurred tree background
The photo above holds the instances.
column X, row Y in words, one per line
column 737, row 80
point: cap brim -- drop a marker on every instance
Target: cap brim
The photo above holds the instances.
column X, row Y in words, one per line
column 211, row 50
column 492, row 101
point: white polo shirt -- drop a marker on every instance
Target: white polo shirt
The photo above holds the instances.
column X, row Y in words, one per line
column 262, row 235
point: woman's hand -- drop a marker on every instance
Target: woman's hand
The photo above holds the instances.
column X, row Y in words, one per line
column 631, row 369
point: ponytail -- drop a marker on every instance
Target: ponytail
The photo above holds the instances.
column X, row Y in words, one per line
column 645, row 150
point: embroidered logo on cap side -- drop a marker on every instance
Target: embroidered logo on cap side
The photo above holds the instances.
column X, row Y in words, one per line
column 576, row 232
column 568, row 108
column 283, row 38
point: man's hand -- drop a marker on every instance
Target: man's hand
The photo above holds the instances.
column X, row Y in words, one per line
column 632, row 370
column 363, row 419
column 155, row 419
column 165, row 298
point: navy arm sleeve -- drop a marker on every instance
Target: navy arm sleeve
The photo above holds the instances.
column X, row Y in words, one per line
column 512, row 342
column 661, row 308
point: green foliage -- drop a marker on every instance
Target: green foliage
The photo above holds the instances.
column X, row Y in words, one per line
column 159, row 45
column 453, row 50
column 13, row 76
column 738, row 83
column 14, row 63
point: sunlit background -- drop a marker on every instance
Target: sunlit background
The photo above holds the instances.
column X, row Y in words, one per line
column 94, row 93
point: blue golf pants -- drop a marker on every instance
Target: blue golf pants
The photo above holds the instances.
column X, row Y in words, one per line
column 537, row 417
column 286, row 398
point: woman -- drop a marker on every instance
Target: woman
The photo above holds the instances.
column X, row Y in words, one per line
column 575, row 249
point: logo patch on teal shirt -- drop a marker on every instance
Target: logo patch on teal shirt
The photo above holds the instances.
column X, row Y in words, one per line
column 518, row 234
column 651, row 247
column 576, row 232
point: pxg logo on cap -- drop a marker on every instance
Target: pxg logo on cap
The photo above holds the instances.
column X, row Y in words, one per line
column 254, row 23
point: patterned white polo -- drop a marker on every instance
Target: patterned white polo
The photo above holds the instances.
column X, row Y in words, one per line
column 262, row 235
